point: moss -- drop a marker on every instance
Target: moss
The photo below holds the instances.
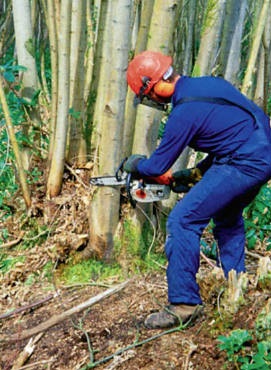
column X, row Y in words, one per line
column 88, row 270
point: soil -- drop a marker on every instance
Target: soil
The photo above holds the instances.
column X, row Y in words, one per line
column 110, row 334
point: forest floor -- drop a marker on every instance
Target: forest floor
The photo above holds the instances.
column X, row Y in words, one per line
column 108, row 334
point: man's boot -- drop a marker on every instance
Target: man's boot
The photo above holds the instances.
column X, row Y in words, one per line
column 173, row 315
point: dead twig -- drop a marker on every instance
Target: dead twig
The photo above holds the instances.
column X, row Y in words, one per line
column 136, row 344
column 56, row 319
column 76, row 176
column 26, row 353
column 192, row 348
column 209, row 262
column 35, row 364
column 24, row 308
column 254, row 255
column 13, row 242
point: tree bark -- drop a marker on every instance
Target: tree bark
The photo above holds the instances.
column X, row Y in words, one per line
column 140, row 45
column 26, row 57
column 15, row 146
column 209, row 43
column 51, row 21
column 234, row 52
column 77, row 150
column 248, row 79
column 109, row 118
column 58, row 159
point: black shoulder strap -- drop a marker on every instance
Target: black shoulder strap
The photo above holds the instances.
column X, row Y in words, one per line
column 215, row 100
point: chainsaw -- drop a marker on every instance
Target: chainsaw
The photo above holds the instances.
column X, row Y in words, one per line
column 138, row 190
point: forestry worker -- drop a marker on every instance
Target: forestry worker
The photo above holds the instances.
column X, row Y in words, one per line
column 211, row 116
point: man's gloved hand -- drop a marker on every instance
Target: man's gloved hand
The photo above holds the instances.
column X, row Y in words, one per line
column 130, row 165
column 183, row 180
column 164, row 179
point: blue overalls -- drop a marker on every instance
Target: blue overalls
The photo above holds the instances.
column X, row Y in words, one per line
column 238, row 164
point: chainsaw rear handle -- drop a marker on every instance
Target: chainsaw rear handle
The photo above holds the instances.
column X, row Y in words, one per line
column 120, row 172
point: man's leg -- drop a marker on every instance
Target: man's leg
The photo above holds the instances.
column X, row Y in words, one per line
column 230, row 236
column 229, row 233
column 219, row 187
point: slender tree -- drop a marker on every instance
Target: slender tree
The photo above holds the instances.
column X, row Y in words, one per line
column 15, row 146
column 211, row 32
column 77, row 144
column 50, row 10
column 258, row 33
column 60, row 138
column 143, row 25
column 109, row 114
column 233, row 60
column 26, row 57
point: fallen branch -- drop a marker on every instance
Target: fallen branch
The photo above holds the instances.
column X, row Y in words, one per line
column 24, row 308
column 91, row 365
column 56, row 319
column 26, row 353
column 13, row 242
column 209, row 262
column 254, row 255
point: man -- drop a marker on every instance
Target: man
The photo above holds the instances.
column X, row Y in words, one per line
column 211, row 116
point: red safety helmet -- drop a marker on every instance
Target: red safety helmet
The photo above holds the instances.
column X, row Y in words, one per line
column 145, row 70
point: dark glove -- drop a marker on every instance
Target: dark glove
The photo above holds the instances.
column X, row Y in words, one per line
column 131, row 163
column 164, row 179
column 184, row 180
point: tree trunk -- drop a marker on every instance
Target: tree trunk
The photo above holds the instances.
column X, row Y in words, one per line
column 141, row 44
column 51, row 21
column 26, row 57
column 109, row 111
column 209, row 43
column 77, row 143
column 263, row 72
column 248, row 79
column 148, row 119
column 234, row 52
column 58, row 159
column 15, row 146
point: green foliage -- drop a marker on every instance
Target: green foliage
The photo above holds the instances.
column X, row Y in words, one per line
column 234, row 342
column 269, row 106
column 209, row 249
column 18, row 112
column 235, row 346
column 258, row 218
column 8, row 262
column 263, row 326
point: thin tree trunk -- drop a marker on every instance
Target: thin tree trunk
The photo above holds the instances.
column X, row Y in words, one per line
column 263, row 72
column 77, row 143
column 26, row 57
column 141, row 44
column 187, row 63
column 248, row 79
column 15, row 146
column 209, row 43
column 109, row 111
column 234, row 55
column 51, row 25
column 57, row 165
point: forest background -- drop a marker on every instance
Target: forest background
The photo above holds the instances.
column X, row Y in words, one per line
column 66, row 114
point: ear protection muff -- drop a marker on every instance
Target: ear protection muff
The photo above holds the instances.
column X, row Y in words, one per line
column 164, row 88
